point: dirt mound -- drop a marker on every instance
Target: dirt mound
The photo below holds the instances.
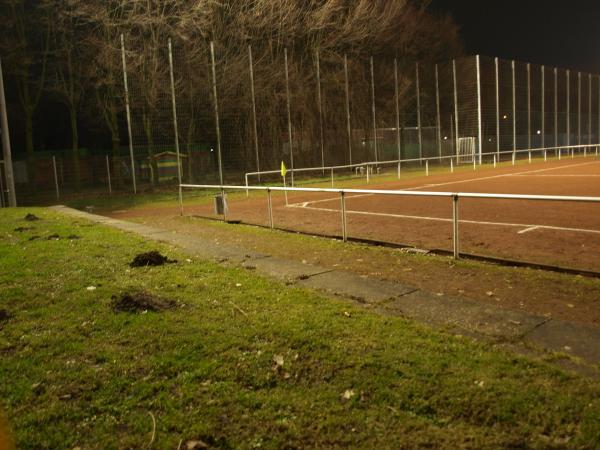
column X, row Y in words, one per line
column 22, row 229
column 5, row 316
column 141, row 301
column 152, row 258
column 31, row 217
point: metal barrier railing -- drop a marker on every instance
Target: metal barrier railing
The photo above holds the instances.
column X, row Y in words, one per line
column 493, row 156
column 455, row 196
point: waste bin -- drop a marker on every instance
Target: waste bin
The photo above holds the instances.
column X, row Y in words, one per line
column 221, row 204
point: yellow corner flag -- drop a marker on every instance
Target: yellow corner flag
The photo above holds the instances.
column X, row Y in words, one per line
column 283, row 169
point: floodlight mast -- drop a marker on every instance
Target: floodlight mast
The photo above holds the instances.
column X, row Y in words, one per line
column 8, row 169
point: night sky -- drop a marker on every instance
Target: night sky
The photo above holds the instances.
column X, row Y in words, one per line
column 552, row 32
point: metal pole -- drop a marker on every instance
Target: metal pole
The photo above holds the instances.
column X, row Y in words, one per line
column 254, row 121
column 320, row 105
column 529, row 106
column 578, row 108
column 514, row 107
column 1, row 186
column 289, row 114
column 108, row 175
column 344, row 225
column 270, row 207
column 555, row 108
column 8, row 167
column 55, row 177
column 496, row 64
column 437, row 109
column 216, row 105
column 589, row 109
column 456, row 136
column 569, row 110
column 452, row 135
column 128, row 113
column 479, row 121
column 373, row 109
column 544, row 108
column 456, row 251
column 420, row 137
column 175, row 127
column 397, row 97
column 348, row 126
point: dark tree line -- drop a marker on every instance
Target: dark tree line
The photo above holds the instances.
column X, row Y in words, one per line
column 68, row 52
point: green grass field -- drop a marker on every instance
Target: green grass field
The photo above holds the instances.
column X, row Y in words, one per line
column 245, row 362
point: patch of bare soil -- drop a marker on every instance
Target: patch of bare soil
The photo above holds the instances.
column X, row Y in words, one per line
column 139, row 302
column 31, row 217
column 152, row 258
column 22, row 229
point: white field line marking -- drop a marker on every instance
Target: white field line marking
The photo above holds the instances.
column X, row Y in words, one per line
column 558, row 175
column 527, row 230
column 441, row 219
column 427, row 186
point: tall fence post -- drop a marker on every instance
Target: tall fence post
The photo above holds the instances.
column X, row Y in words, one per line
column 568, row 108
column 216, row 107
column 497, row 72
column 555, row 110
column 320, row 108
column 128, row 113
column 589, row 109
column 348, row 124
column 373, row 109
column 529, row 107
column 175, row 127
column 437, row 113
column 455, row 236
column 514, row 107
column 254, row 120
column 55, row 177
column 289, row 114
column 456, row 134
column 543, row 73
column 578, row 108
column 420, row 136
column 8, row 167
column 479, row 119
column 108, row 175
column 1, row 186
column 397, row 98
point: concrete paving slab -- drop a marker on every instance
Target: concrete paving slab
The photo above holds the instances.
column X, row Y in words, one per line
column 284, row 269
column 578, row 340
column 353, row 286
column 463, row 313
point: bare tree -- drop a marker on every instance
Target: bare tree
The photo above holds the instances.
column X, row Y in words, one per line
column 26, row 48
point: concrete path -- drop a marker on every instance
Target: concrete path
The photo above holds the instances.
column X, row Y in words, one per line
column 520, row 331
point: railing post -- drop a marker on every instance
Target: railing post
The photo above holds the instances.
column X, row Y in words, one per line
column 427, row 167
column 247, row 191
column 456, row 252
column 343, row 205
column 181, row 200
column 332, row 177
column 270, row 207
column 224, row 205
column 368, row 179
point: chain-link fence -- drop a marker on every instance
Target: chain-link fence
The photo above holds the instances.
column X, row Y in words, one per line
column 201, row 113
